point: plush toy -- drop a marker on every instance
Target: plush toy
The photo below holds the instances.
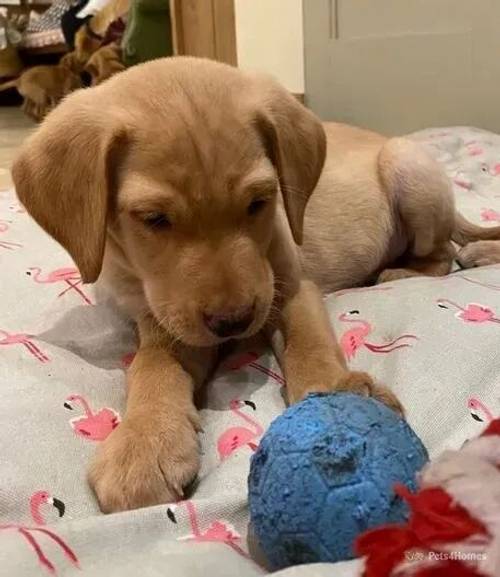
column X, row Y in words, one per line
column 324, row 473
column 454, row 525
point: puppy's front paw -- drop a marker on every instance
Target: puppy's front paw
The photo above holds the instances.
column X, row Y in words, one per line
column 362, row 384
column 351, row 382
column 146, row 461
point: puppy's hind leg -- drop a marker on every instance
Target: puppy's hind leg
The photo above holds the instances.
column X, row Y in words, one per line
column 424, row 205
column 436, row 264
column 480, row 253
column 480, row 245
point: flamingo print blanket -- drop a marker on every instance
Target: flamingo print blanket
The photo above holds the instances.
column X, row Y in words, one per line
column 63, row 353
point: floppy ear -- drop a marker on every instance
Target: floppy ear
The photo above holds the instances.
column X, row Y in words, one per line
column 63, row 176
column 296, row 144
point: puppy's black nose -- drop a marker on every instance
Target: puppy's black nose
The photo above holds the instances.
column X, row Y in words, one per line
column 229, row 323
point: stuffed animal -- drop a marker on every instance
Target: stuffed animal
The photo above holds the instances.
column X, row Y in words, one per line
column 104, row 63
column 92, row 35
column 454, row 524
column 42, row 87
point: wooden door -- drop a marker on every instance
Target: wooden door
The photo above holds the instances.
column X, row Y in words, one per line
column 205, row 28
column 402, row 65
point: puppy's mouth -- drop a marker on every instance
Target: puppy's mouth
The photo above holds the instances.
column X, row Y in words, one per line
column 255, row 326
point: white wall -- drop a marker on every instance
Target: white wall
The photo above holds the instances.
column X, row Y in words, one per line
column 269, row 37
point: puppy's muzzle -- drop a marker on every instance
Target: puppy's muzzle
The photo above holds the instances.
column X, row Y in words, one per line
column 229, row 323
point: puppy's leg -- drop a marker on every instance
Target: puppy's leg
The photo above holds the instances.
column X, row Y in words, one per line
column 312, row 360
column 480, row 253
column 154, row 452
column 422, row 197
column 436, row 264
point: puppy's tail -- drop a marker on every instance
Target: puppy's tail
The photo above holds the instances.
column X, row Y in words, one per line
column 8, row 84
column 465, row 231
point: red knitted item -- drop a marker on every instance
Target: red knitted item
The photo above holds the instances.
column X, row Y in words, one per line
column 492, row 429
column 435, row 519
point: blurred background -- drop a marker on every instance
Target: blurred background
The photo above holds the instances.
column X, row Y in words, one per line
column 390, row 65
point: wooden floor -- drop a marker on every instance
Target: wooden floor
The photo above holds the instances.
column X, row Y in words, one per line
column 14, row 127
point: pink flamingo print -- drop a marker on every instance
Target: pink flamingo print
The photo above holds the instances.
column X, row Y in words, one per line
column 218, row 531
column 353, row 339
column 9, row 245
column 237, row 437
column 472, row 313
column 474, row 150
column 490, row 286
column 4, row 225
column 490, row 215
column 25, row 340
column 479, row 411
column 487, row 169
column 30, row 533
column 93, row 426
column 17, row 208
column 463, row 183
column 68, row 275
column 459, row 276
column 250, row 359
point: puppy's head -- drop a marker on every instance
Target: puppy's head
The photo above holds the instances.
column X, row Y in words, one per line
column 181, row 162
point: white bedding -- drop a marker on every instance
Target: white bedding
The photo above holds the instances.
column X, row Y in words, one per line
column 54, row 344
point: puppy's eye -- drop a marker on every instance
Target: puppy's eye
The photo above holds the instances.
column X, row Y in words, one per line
column 156, row 221
column 256, row 206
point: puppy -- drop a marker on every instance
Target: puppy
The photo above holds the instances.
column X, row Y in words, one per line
column 183, row 184
column 91, row 36
column 104, row 63
column 42, row 87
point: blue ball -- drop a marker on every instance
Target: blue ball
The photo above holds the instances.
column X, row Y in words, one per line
column 324, row 473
